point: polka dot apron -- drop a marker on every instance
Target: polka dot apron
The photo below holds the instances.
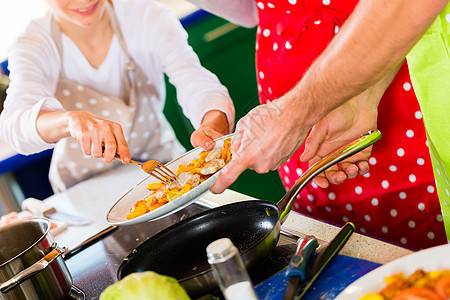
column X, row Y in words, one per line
column 397, row 200
column 148, row 133
column 429, row 63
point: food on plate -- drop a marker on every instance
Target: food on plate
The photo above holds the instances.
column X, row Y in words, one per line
column 420, row 285
column 146, row 285
column 190, row 176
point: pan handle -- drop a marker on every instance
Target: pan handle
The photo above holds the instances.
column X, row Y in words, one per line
column 334, row 157
column 31, row 270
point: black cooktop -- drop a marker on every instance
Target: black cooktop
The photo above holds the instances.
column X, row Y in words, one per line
column 95, row 268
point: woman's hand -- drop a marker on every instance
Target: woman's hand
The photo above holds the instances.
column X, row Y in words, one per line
column 214, row 125
column 98, row 137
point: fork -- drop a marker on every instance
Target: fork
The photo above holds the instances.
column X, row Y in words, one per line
column 156, row 169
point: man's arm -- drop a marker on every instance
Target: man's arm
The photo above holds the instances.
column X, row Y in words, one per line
column 375, row 38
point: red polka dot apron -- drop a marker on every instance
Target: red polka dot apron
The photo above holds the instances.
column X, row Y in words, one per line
column 147, row 131
column 397, row 200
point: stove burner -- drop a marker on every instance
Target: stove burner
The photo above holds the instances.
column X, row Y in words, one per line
column 75, row 294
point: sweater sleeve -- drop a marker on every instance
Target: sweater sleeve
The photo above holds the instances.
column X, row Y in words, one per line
column 241, row 12
column 198, row 90
column 34, row 70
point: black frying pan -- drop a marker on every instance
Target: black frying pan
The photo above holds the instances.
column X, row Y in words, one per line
column 253, row 226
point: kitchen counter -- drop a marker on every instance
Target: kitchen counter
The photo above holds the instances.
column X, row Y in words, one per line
column 94, row 268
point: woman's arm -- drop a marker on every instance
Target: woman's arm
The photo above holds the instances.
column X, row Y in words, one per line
column 241, row 12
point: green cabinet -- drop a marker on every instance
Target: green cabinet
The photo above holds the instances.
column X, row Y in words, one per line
column 228, row 51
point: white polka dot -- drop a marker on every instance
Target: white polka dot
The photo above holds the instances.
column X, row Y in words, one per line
column 418, row 114
column 447, row 18
column 358, row 190
column 270, row 5
column 80, row 87
column 99, row 165
column 266, row 32
column 92, row 101
column 367, row 218
column 421, row 206
column 106, row 99
column 151, row 116
column 299, row 172
column 74, row 145
column 133, row 134
column 331, row 196
column 384, row 229
column 259, row 88
column 145, row 156
column 348, row 207
column 288, row 11
column 402, row 195
column 257, row 46
column 336, row 29
column 66, row 93
column 84, row 171
column 310, row 197
column 407, row 86
column 106, row 113
column 270, row 90
column 372, row 161
column 400, row 152
column 430, row 189
column 261, row 5
column 375, row 202
column 317, row 22
column 327, row 208
column 314, row 185
column 286, row 169
column 288, row 45
column 79, row 105
column 392, row 168
column 146, row 134
column 119, row 111
column 261, row 75
column 412, row 178
column 393, row 212
column 137, row 150
column 141, row 119
column 286, row 179
column 326, row 2
column 367, row 175
column 309, row 208
column 420, row 161
column 403, row 240
column 275, row 46
column 144, row 100
column 345, row 219
column 296, row 206
column 411, row 224
column 385, row 184
column 293, row 2
column 430, row 235
column 258, row 30
column 439, row 218
column 409, row 133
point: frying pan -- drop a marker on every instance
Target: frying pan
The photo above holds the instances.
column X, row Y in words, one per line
column 253, row 226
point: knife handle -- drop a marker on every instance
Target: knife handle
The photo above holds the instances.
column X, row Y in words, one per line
column 298, row 264
column 332, row 249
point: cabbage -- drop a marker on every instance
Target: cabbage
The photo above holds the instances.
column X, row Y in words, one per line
column 146, row 286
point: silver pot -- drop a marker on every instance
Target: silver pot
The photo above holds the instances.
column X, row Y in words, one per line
column 31, row 266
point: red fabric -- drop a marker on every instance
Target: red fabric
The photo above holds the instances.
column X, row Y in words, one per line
column 397, row 200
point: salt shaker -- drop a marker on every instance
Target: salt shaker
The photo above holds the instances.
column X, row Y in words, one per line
column 229, row 270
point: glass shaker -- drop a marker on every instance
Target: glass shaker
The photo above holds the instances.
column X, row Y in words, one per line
column 229, row 270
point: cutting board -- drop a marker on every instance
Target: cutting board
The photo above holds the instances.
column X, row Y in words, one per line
column 341, row 272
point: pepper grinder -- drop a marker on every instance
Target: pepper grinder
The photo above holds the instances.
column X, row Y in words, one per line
column 229, row 270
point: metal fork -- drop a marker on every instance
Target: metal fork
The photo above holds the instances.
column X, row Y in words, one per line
column 156, row 169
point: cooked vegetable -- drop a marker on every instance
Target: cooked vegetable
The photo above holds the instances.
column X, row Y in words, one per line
column 145, row 286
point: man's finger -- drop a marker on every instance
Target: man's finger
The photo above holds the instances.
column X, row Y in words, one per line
column 228, row 175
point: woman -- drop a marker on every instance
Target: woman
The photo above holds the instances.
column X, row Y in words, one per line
column 397, row 200
column 88, row 80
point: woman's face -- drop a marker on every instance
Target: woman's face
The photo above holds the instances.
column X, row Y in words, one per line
column 79, row 12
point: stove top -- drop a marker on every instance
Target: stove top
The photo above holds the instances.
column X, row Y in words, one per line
column 95, row 268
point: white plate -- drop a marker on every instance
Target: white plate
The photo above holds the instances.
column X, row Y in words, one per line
column 117, row 213
column 435, row 258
